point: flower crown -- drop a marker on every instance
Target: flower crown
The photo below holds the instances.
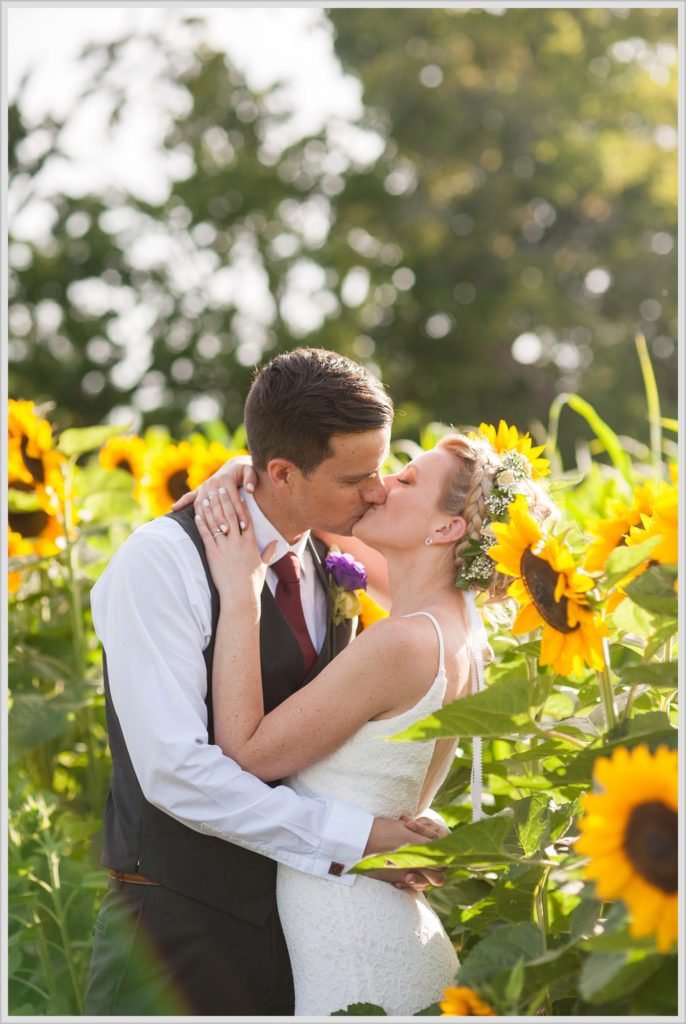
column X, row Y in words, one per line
column 519, row 462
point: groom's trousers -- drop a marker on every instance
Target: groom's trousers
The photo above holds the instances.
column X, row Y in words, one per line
column 158, row 952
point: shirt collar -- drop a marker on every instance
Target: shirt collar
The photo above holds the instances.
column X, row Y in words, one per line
column 265, row 532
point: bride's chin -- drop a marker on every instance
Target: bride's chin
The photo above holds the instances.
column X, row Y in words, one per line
column 359, row 530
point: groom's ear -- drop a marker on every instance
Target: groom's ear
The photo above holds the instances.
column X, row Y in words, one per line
column 280, row 473
column 451, row 532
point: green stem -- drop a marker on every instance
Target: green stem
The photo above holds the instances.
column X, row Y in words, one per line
column 653, row 403
column 541, row 919
column 44, row 957
column 540, row 909
column 71, row 550
column 606, row 689
column 555, row 734
column 531, row 672
column 52, row 858
column 78, row 637
column 627, row 706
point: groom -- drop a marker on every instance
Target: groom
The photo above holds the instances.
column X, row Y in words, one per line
column 190, row 924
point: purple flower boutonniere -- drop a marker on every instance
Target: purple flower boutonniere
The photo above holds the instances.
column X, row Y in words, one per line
column 347, row 576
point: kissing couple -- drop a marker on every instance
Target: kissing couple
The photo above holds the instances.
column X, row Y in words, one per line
column 247, row 721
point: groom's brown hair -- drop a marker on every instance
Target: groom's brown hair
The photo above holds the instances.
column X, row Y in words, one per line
column 301, row 399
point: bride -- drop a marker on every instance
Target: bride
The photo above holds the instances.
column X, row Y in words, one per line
column 367, row 942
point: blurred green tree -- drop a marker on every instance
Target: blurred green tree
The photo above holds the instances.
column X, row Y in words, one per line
column 516, row 228
column 529, row 181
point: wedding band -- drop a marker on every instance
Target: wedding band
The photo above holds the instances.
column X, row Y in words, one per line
column 212, row 494
column 217, row 533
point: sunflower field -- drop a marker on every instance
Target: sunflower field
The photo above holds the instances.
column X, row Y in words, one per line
column 562, row 898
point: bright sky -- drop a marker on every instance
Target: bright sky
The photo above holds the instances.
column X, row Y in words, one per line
column 293, row 45
column 288, row 45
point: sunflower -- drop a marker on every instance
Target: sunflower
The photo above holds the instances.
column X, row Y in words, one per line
column 41, row 527
column 128, row 453
column 167, row 476
column 551, row 590
column 612, row 531
column 664, row 522
column 31, row 456
column 208, row 461
column 370, row 611
column 462, row 1002
column 508, row 439
column 16, row 546
column 630, row 832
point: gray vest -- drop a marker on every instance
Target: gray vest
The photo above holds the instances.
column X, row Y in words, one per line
column 140, row 838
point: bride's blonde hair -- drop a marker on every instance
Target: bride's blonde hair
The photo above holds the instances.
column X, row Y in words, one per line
column 467, row 494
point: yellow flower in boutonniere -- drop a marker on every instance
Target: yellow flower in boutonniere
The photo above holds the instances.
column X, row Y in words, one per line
column 370, row 611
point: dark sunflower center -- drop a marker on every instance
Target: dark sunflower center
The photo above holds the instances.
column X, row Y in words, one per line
column 34, row 466
column 177, row 484
column 28, row 524
column 540, row 580
column 651, row 843
column 125, row 464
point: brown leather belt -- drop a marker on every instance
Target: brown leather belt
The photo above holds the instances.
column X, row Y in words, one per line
column 122, row 876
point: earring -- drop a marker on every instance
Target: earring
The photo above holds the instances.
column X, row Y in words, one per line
column 428, row 541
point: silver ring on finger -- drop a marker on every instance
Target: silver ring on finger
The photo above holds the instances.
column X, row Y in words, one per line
column 212, row 494
column 218, row 533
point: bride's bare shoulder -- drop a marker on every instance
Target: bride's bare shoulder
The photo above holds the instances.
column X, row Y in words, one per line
column 406, row 642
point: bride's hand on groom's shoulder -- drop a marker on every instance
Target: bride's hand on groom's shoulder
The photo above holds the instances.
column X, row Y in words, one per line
column 237, row 472
column 237, row 566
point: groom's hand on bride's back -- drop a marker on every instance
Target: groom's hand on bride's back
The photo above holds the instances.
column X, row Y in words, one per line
column 387, row 835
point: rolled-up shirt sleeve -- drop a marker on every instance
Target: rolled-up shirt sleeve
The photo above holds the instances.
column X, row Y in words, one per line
column 151, row 611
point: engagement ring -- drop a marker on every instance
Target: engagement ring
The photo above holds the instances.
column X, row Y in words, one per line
column 217, row 532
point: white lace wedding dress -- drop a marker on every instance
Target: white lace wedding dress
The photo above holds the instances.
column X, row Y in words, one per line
column 368, row 942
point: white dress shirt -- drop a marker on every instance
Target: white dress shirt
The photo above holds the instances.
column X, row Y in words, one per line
column 152, row 612
column 312, row 594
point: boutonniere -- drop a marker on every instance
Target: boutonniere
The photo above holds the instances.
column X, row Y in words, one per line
column 346, row 578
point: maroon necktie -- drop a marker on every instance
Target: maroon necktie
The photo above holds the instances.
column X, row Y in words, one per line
column 287, row 595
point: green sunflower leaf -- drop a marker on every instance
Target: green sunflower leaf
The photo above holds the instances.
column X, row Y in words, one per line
column 531, row 817
column 34, row 719
column 651, row 728
column 605, row 434
column 478, row 843
column 624, row 559
column 501, row 951
column 78, row 440
column 654, row 590
column 22, row 501
column 656, row 674
column 608, row 976
column 500, row 710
